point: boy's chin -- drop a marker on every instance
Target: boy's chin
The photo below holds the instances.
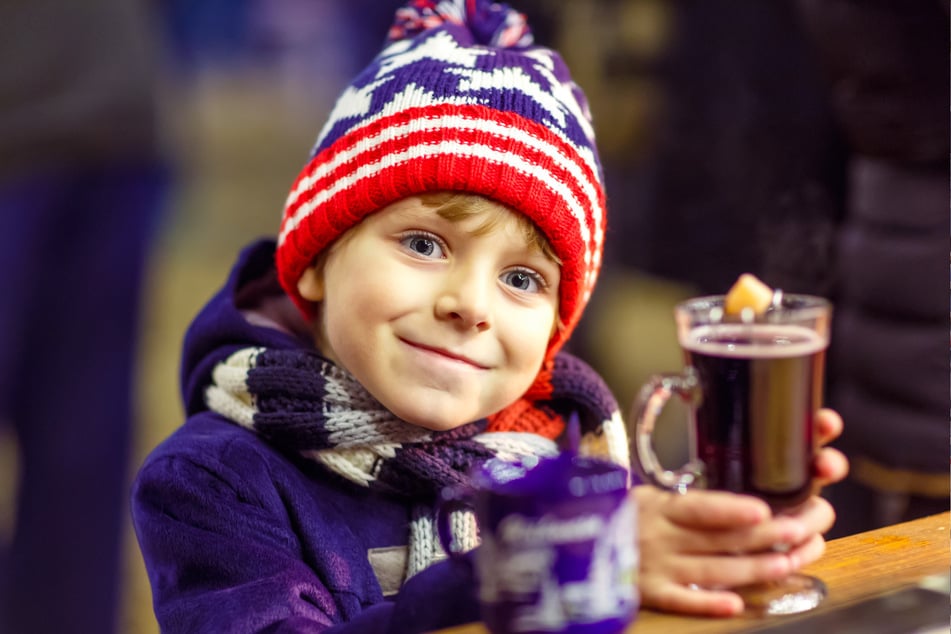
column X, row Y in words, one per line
column 435, row 420
column 442, row 408
column 437, row 424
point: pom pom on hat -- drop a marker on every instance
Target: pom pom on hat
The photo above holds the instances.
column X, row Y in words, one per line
column 491, row 23
column 458, row 100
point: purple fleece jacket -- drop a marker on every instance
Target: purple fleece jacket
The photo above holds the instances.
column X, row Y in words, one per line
column 239, row 537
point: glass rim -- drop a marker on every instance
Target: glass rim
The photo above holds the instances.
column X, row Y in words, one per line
column 799, row 305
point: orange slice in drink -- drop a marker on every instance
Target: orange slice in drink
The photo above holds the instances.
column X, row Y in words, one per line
column 748, row 294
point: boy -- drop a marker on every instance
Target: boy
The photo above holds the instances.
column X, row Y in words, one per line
column 435, row 254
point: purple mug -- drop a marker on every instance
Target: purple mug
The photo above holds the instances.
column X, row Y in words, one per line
column 558, row 551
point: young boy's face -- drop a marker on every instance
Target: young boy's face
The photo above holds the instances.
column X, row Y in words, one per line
column 444, row 325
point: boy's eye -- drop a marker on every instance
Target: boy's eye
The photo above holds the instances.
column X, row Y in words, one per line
column 423, row 244
column 524, row 280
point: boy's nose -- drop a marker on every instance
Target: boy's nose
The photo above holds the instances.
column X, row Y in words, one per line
column 465, row 299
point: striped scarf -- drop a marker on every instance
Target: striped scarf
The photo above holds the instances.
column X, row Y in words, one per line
column 305, row 405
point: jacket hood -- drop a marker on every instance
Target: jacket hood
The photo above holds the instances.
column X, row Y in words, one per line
column 249, row 310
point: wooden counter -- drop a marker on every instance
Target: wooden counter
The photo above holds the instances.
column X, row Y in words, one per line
column 854, row 568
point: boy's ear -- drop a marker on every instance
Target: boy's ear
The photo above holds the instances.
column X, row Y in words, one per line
column 311, row 284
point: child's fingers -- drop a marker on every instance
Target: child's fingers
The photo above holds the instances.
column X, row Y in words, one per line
column 718, row 574
column 731, row 570
column 815, row 517
column 705, row 589
column 808, row 552
column 701, row 544
column 700, row 585
column 714, row 510
column 828, row 425
column 830, row 466
column 672, row 597
column 785, row 531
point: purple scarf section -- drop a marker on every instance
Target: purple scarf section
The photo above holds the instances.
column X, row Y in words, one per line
column 305, row 405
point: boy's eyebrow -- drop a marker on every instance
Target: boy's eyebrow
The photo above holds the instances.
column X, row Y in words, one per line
column 449, row 214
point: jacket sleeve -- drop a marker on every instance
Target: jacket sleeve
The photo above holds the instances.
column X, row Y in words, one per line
column 218, row 560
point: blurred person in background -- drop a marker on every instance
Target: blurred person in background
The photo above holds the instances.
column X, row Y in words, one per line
column 887, row 70
column 81, row 185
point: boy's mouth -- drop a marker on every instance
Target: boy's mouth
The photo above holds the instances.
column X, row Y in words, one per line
column 445, row 353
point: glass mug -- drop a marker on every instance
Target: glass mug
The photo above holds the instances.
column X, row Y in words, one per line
column 558, row 544
column 753, row 384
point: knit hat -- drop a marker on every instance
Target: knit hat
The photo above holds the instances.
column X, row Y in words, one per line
column 458, row 100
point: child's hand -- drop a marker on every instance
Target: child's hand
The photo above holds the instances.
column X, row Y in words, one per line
column 696, row 546
column 830, row 466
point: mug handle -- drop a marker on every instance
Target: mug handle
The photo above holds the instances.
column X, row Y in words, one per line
column 648, row 406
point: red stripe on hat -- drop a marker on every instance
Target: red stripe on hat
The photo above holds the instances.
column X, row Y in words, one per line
column 420, row 139
column 416, row 145
column 412, row 121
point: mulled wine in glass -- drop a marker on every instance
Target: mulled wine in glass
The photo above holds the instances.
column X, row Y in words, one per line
column 753, row 383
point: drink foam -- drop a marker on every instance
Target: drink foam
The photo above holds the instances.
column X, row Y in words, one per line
column 759, row 341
